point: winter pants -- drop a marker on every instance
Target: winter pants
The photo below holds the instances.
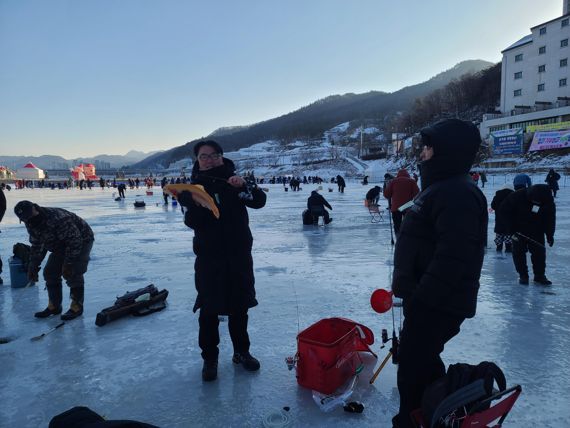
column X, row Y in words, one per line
column 52, row 275
column 537, row 256
column 209, row 336
column 397, row 217
column 121, row 193
column 423, row 337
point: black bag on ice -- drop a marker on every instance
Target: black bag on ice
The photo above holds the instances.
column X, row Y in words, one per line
column 447, row 400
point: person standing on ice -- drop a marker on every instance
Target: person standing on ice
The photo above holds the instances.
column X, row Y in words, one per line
column 224, row 266
column 2, row 211
column 438, row 258
column 340, row 183
column 528, row 215
column 69, row 239
column 500, row 239
column 400, row 191
column 552, row 180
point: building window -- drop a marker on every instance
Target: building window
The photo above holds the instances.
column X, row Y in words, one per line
column 563, row 43
column 518, row 57
column 542, row 31
column 564, row 62
column 541, row 87
column 518, row 75
column 562, row 82
column 518, row 92
column 542, row 68
column 564, row 22
column 542, row 50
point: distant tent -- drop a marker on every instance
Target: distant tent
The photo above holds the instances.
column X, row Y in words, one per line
column 30, row 172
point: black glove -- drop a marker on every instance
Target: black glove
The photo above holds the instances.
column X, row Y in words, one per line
column 185, row 198
column 550, row 240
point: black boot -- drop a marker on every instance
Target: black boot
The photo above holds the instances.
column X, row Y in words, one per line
column 542, row 280
column 247, row 360
column 508, row 248
column 50, row 310
column 210, row 370
column 74, row 311
column 500, row 248
column 523, row 280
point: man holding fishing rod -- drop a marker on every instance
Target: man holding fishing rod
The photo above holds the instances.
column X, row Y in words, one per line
column 438, row 258
column 528, row 215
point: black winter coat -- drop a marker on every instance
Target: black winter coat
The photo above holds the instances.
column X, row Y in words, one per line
column 317, row 200
column 439, row 253
column 2, row 204
column 516, row 213
column 498, row 199
column 224, row 266
column 552, row 180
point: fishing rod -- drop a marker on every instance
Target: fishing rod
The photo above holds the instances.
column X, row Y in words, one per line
column 532, row 241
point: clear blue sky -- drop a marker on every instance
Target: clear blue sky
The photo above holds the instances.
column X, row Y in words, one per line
column 87, row 77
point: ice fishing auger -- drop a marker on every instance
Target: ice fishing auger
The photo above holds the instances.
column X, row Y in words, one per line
column 382, row 301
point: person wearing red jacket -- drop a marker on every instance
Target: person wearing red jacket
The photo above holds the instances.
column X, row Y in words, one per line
column 399, row 192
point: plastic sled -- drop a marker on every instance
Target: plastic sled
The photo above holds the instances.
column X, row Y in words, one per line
column 488, row 413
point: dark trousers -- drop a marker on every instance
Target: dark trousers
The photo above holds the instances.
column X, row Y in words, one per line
column 52, row 275
column 537, row 255
column 209, row 336
column 422, row 339
column 397, row 217
column 121, row 193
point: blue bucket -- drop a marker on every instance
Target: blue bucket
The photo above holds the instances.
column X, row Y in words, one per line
column 18, row 275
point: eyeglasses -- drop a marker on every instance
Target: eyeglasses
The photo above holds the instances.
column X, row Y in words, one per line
column 212, row 156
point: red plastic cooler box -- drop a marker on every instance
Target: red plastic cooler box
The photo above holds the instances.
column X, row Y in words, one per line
column 327, row 353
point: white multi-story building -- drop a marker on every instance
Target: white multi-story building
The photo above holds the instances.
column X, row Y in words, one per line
column 535, row 78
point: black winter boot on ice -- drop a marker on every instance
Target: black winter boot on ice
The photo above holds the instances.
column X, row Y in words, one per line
column 247, row 360
column 508, row 248
column 74, row 311
column 50, row 310
column 523, row 280
column 210, row 370
column 542, row 280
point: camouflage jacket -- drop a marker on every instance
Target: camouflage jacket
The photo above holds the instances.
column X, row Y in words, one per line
column 61, row 232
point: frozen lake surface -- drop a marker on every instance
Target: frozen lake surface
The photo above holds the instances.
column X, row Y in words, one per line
column 149, row 369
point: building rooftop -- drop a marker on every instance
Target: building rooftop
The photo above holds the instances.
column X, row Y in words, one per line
column 525, row 40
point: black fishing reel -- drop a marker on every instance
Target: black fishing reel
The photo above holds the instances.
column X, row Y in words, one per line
column 395, row 344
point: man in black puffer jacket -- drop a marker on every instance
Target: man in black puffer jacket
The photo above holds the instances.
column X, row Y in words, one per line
column 224, row 266
column 438, row 258
column 529, row 214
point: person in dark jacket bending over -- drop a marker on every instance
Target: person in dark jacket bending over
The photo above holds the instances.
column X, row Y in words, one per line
column 373, row 195
column 224, row 266
column 527, row 215
column 438, row 258
column 316, row 204
column 69, row 239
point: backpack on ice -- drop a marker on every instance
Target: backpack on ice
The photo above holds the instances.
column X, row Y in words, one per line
column 465, row 389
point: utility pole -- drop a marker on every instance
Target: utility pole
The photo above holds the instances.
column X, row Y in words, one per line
column 361, row 138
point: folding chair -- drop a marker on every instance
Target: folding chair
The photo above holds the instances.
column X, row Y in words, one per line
column 376, row 214
column 482, row 414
